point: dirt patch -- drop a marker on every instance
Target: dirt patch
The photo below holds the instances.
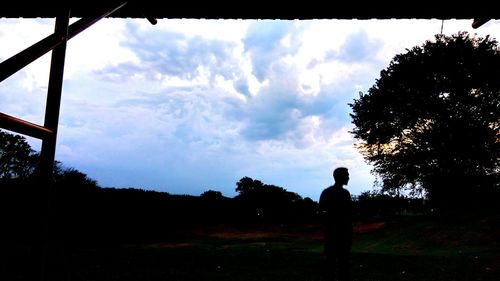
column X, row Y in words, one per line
column 245, row 235
column 309, row 232
column 368, row 227
column 171, row 245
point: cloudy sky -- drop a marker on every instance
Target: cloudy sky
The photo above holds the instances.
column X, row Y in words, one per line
column 185, row 106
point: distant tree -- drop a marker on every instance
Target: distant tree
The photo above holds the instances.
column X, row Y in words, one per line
column 215, row 208
column 247, row 184
column 267, row 202
column 211, row 195
column 431, row 122
column 72, row 178
column 376, row 204
column 17, row 159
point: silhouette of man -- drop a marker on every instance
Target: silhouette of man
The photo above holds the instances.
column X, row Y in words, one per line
column 336, row 208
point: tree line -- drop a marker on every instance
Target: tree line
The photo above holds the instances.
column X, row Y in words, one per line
column 80, row 209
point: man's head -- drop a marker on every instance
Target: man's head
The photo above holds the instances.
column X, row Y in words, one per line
column 341, row 175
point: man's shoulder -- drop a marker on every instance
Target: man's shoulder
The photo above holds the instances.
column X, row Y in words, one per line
column 345, row 192
column 336, row 192
column 327, row 190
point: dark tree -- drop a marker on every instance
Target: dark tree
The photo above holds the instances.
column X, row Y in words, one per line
column 266, row 202
column 431, row 121
column 17, row 159
column 246, row 185
column 211, row 195
column 74, row 179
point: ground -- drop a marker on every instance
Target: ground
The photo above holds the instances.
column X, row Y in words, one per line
column 403, row 249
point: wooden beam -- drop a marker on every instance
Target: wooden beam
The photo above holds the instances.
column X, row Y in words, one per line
column 24, row 127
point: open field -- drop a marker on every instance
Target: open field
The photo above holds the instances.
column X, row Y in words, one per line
column 412, row 249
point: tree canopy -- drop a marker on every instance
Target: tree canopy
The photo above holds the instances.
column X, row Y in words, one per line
column 268, row 202
column 431, row 122
column 17, row 158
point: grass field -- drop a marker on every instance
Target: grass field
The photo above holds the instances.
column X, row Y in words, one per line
column 410, row 249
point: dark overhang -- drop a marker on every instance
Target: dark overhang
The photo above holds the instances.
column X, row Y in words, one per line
column 157, row 9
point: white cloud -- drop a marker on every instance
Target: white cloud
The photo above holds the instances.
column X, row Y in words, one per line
column 98, row 46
